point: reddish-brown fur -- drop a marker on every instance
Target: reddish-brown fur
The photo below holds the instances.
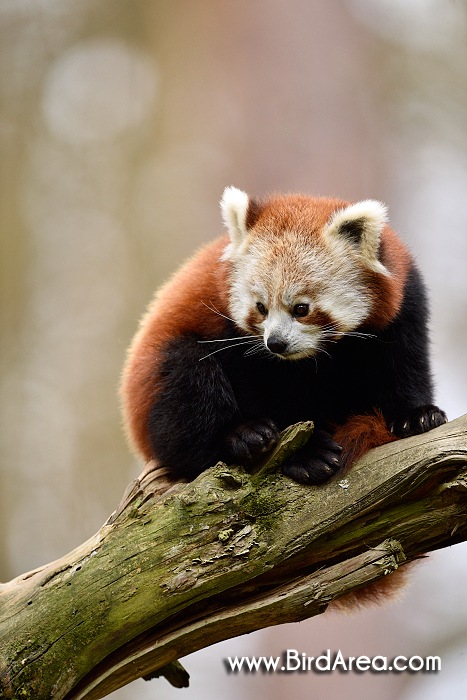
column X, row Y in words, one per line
column 388, row 291
column 293, row 212
column 359, row 435
column 178, row 308
column 380, row 591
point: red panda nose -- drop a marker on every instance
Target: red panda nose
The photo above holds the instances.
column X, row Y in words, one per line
column 276, row 344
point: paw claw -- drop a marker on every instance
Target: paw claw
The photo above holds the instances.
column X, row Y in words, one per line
column 250, row 440
column 315, row 463
column 419, row 421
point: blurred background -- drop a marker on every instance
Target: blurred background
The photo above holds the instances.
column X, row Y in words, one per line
column 121, row 123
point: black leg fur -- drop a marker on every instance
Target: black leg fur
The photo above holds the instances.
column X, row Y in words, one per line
column 194, row 409
column 406, row 387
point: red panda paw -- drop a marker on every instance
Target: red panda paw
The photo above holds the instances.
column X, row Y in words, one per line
column 250, row 441
column 315, row 463
column 418, row 421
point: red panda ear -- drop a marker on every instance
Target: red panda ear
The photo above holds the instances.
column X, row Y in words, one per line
column 361, row 224
column 234, row 208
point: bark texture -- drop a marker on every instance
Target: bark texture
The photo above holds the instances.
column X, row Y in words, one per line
column 177, row 568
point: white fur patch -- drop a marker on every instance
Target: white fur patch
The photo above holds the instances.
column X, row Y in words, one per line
column 246, row 289
column 234, row 208
column 373, row 217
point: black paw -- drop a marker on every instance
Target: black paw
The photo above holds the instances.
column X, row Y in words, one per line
column 315, row 463
column 418, row 421
column 250, row 441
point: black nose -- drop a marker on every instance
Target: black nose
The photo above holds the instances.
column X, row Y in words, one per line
column 276, row 344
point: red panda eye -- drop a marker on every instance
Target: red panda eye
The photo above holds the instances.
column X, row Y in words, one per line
column 300, row 310
column 262, row 309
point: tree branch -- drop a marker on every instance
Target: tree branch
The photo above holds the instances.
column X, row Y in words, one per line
column 176, row 570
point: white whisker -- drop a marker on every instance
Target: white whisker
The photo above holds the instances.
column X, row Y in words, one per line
column 216, row 311
column 234, row 345
column 226, row 340
column 358, row 334
column 257, row 348
column 325, row 352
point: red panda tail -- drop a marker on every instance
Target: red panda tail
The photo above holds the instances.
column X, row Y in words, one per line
column 360, row 434
column 357, row 436
column 387, row 589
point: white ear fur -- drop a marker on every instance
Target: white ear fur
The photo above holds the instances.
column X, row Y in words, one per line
column 234, row 208
column 369, row 218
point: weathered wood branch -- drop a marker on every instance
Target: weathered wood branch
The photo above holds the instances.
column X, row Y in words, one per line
column 172, row 572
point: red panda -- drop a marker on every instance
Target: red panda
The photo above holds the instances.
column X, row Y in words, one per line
column 308, row 309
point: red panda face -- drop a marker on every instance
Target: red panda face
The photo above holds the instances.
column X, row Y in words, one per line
column 299, row 268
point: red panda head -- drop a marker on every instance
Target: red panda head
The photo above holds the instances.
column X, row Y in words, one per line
column 305, row 270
